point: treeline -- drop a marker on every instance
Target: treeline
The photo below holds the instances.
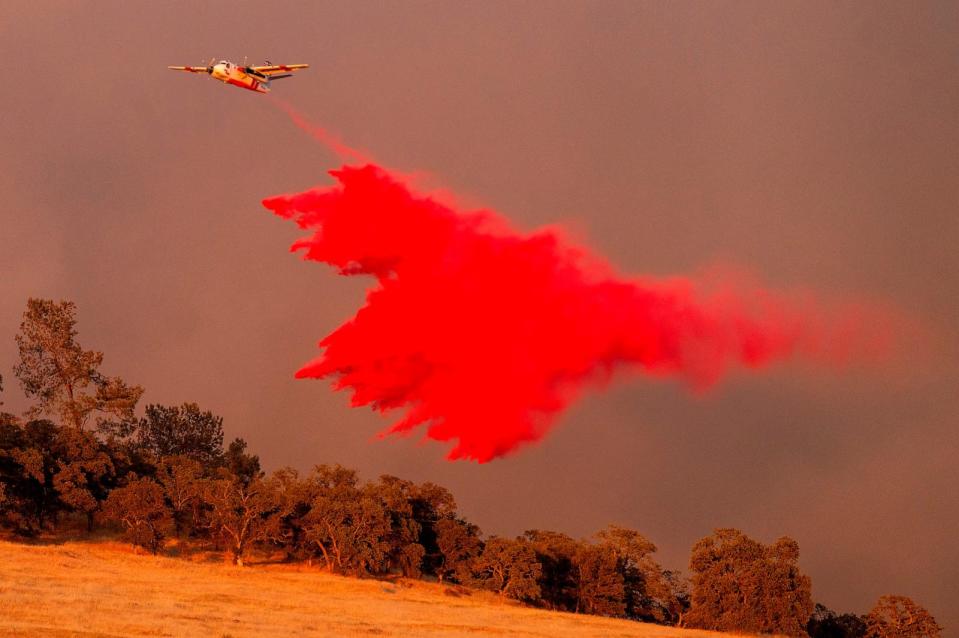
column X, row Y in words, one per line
column 82, row 454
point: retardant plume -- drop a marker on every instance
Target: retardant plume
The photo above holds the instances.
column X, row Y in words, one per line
column 320, row 134
column 484, row 335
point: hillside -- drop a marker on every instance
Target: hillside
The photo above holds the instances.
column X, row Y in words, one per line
column 104, row 589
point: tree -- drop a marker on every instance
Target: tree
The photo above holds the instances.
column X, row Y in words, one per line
column 900, row 617
column 180, row 479
column 240, row 512
column 28, row 463
column 348, row 525
column 242, row 464
column 364, row 543
column 600, row 588
column 787, row 592
column 742, row 585
column 47, row 470
column 431, row 504
column 62, row 377
column 333, row 488
column 651, row 593
column 84, row 472
column 508, row 567
column 181, row 431
column 141, row 508
column 670, row 598
column 458, row 543
column 294, row 498
column 825, row 623
column 559, row 579
column 396, row 497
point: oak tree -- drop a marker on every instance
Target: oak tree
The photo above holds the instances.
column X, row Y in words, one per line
column 348, row 524
column 396, row 497
column 900, row 617
column 559, row 579
column 84, row 472
column 739, row 584
column 240, row 512
column 47, row 470
column 458, row 543
column 180, row 478
column 431, row 504
column 600, row 587
column 652, row 593
column 294, row 499
column 141, row 508
column 508, row 567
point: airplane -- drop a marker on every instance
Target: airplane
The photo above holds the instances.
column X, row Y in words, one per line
column 253, row 78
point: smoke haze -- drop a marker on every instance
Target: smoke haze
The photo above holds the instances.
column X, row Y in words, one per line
column 814, row 143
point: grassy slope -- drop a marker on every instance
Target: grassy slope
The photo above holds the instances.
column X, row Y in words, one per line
column 104, row 589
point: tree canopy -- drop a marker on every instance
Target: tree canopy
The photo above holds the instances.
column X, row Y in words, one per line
column 181, row 431
column 900, row 617
column 740, row 584
column 63, row 378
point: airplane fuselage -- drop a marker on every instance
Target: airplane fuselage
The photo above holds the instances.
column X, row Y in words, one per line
column 233, row 74
column 251, row 78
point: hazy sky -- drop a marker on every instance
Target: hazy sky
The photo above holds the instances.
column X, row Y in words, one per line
column 814, row 144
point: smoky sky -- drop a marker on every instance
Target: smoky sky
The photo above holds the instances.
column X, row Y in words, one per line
column 813, row 144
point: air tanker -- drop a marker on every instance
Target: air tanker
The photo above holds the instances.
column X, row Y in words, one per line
column 252, row 78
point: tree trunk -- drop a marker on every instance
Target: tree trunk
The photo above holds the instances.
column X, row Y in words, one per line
column 238, row 554
column 326, row 557
column 154, row 540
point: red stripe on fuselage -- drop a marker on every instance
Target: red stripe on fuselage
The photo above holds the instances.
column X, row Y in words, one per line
column 243, row 85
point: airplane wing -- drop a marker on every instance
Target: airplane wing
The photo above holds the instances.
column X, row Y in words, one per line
column 191, row 69
column 274, row 70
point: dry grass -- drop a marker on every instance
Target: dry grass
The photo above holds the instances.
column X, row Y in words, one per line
column 104, row 589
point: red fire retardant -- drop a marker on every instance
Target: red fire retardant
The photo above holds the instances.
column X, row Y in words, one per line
column 484, row 335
